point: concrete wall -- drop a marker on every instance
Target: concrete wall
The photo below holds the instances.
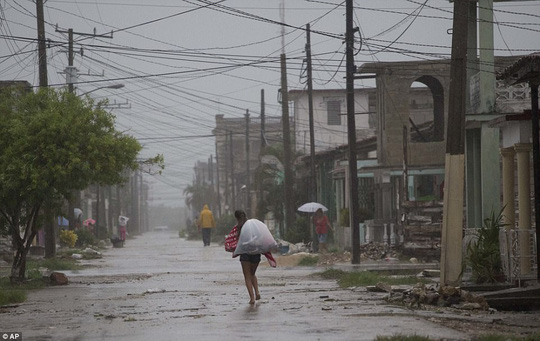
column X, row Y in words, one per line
column 395, row 106
column 329, row 136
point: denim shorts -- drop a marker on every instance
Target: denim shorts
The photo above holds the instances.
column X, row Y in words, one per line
column 250, row 258
column 322, row 237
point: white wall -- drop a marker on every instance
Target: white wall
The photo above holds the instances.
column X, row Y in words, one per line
column 326, row 136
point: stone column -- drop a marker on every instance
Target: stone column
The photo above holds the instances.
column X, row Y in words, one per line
column 509, row 211
column 523, row 151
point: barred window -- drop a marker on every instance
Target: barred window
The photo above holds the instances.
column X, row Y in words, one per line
column 333, row 112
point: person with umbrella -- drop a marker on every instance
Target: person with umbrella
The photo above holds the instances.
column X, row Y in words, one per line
column 320, row 220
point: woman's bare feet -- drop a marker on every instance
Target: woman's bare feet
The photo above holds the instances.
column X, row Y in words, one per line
column 251, row 302
column 258, row 297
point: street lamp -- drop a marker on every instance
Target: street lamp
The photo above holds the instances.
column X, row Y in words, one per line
column 112, row 86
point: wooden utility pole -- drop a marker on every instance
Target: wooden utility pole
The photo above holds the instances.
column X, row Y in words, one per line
column 211, row 176
column 71, row 76
column 260, row 188
column 110, row 211
column 289, row 209
column 351, row 125
column 248, row 175
column 405, row 164
column 218, row 195
column 536, row 164
column 71, row 72
column 226, row 176
column 451, row 257
column 312, row 183
column 50, row 221
column 42, row 46
column 233, row 185
column 263, row 123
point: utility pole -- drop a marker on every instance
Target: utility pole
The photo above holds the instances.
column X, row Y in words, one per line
column 135, row 228
column 263, row 122
column 231, row 158
column 536, row 163
column 451, row 257
column 289, row 209
column 351, row 125
column 225, row 162
column 248, row 179
column 261, row 151
column 211, row 176
column 218, row 195
column 405, row 164
column 42, row 47
column 71, row 77
column 50, row 223
column 142, row 227
column 71, row 71
column 110, row 211
column 313, row 183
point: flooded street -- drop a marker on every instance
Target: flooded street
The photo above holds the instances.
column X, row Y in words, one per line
column 161, row 287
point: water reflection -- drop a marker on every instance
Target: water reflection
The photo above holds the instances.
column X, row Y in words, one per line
column 251, row 311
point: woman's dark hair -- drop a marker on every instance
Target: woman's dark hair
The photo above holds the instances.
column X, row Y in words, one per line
column 239, row 214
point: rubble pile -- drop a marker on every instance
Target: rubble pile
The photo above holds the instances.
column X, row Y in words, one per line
column 378, row 251
column 446, row 296
column 333, row 258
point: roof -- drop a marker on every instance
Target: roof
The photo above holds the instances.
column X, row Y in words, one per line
column 525, row 69
column 525, row 116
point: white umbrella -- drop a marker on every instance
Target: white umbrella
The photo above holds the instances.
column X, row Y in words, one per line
column 311, row 207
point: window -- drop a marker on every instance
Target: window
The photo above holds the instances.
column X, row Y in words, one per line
column 333, row 112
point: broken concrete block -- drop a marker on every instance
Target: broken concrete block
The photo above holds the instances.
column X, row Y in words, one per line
column 58, row 278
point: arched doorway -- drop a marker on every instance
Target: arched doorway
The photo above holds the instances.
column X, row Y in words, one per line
column 426, row 110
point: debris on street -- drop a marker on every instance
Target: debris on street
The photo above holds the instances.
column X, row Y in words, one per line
column 58, row 278
column 446, row 296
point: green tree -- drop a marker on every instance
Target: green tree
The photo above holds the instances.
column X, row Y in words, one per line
column 271, row 178
column 198, row 195
column 53, row 142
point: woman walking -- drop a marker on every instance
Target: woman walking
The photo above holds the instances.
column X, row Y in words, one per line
column 250, row 263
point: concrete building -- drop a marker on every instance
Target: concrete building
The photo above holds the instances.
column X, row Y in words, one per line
column 329, row 120
column 235, row 139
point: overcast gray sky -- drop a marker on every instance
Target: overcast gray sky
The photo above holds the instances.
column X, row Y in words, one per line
column 183, row 62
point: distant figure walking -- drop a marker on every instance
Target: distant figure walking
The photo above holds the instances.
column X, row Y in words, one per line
column 206, row 223
column 321, row 228
column 122, row 223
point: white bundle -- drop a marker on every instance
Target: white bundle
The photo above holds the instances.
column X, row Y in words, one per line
column 255, row 238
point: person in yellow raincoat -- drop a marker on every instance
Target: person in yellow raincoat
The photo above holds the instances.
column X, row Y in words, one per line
column 206, row 223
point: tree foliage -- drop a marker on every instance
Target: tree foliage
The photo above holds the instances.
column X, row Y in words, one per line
column 197, row 195
column 483, row 254
column 53, row 142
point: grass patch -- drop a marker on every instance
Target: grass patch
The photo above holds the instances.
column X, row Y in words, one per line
column 366, row 278
column 532, row 337
column 54, row 264
column 16, row 293
column 308, row 261
column 399, row 337
column 12, row 296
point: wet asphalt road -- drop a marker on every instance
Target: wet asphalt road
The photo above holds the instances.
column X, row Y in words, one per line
column 160, row 287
